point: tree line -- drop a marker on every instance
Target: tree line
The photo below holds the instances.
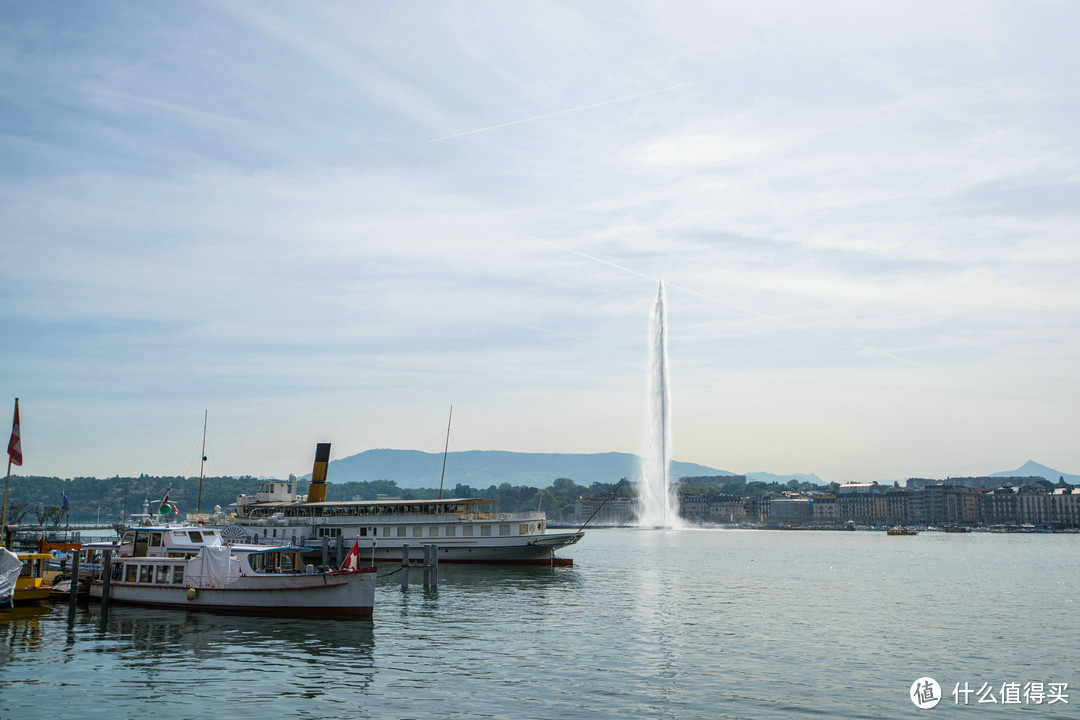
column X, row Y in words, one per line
column 103, row 501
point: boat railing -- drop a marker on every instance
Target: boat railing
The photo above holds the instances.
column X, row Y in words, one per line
column 518, row 516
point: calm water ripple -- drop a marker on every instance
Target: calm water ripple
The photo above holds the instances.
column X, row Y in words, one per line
column 649, row 624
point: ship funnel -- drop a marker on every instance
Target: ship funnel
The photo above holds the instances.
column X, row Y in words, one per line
column 317, row 489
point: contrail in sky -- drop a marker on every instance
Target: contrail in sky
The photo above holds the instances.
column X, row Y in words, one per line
column 635, row 96
column 765, row 316
column 730, row 304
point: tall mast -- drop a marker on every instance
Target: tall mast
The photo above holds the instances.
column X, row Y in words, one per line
column 202, row 464
column 444, row 450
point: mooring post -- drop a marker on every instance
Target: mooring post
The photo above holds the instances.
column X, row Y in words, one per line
column 106, row 576
column 431, row 566
column 74, row 581
column 340, row 556
column 404, row 567
column 325, row 551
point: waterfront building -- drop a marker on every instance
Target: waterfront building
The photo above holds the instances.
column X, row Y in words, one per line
column 791, row 507
column 1065, row 507
column 825, row 509
column 616, row 511
column 948, row 505
column 861, row 502
column 714, row 508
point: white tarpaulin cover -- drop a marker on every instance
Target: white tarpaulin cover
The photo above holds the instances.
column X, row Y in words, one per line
column 210, row 568
column 10, row 567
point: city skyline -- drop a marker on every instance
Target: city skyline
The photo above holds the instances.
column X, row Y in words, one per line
column 333, row 222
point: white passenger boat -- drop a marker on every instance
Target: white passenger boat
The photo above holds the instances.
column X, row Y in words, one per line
column 185, row 566
column 466, row 530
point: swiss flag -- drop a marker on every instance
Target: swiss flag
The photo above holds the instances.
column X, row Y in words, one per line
column 352, row 560
column 14, row 448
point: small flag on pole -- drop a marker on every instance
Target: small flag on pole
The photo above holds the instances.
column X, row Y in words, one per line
column 352, row 560
column 165, row 508
column 14, row 448
column 63, row 500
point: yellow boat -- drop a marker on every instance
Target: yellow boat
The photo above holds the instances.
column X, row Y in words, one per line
column 30, row 587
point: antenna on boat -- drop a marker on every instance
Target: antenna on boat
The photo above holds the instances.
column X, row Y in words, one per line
column 445, row 450
column 617, row 485
column 206, row 414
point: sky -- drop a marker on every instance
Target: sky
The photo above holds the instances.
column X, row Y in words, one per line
column 332, row 222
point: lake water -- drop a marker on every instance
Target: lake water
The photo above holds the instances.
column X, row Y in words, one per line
column 647, row 624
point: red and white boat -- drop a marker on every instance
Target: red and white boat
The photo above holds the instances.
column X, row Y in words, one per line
column 190, row 567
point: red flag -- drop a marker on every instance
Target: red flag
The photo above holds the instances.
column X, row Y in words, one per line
column 14, row 448
column 352, row 560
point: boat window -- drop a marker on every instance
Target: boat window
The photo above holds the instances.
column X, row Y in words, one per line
column 451, row 531
column 131, row 573
column 418, row 532
column 466, row 530
column 195, row 536
column 286, row 562
column 155, row 539
column 129, row 537
column 363, row 532
column 374, row 531
column 523, row 529
column 401, row 532
column 433, row 531
column 26, row 568
column 144, row 573
column 485, row 529
column 504, row 529
column 177, row 574
column 162, row 574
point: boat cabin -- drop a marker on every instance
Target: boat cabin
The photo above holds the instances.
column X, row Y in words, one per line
column 166, row 541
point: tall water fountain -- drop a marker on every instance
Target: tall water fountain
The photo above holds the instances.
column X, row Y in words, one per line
column 658, row 502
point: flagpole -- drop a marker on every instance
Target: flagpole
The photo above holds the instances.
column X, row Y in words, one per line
column 3, row 523
column 14, row 451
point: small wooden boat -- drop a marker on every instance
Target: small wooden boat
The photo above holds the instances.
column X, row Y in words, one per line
column 903, row 531
column 23, row 581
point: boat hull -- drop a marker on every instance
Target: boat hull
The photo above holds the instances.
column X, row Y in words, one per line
column 338, row 594
column 539, row 551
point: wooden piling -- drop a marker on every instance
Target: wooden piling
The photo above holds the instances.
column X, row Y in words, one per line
column 106, row 577
column 404, row 567
column 431, row 566
column 74, row 580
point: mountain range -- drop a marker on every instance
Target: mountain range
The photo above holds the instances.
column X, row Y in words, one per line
column 483, row 468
